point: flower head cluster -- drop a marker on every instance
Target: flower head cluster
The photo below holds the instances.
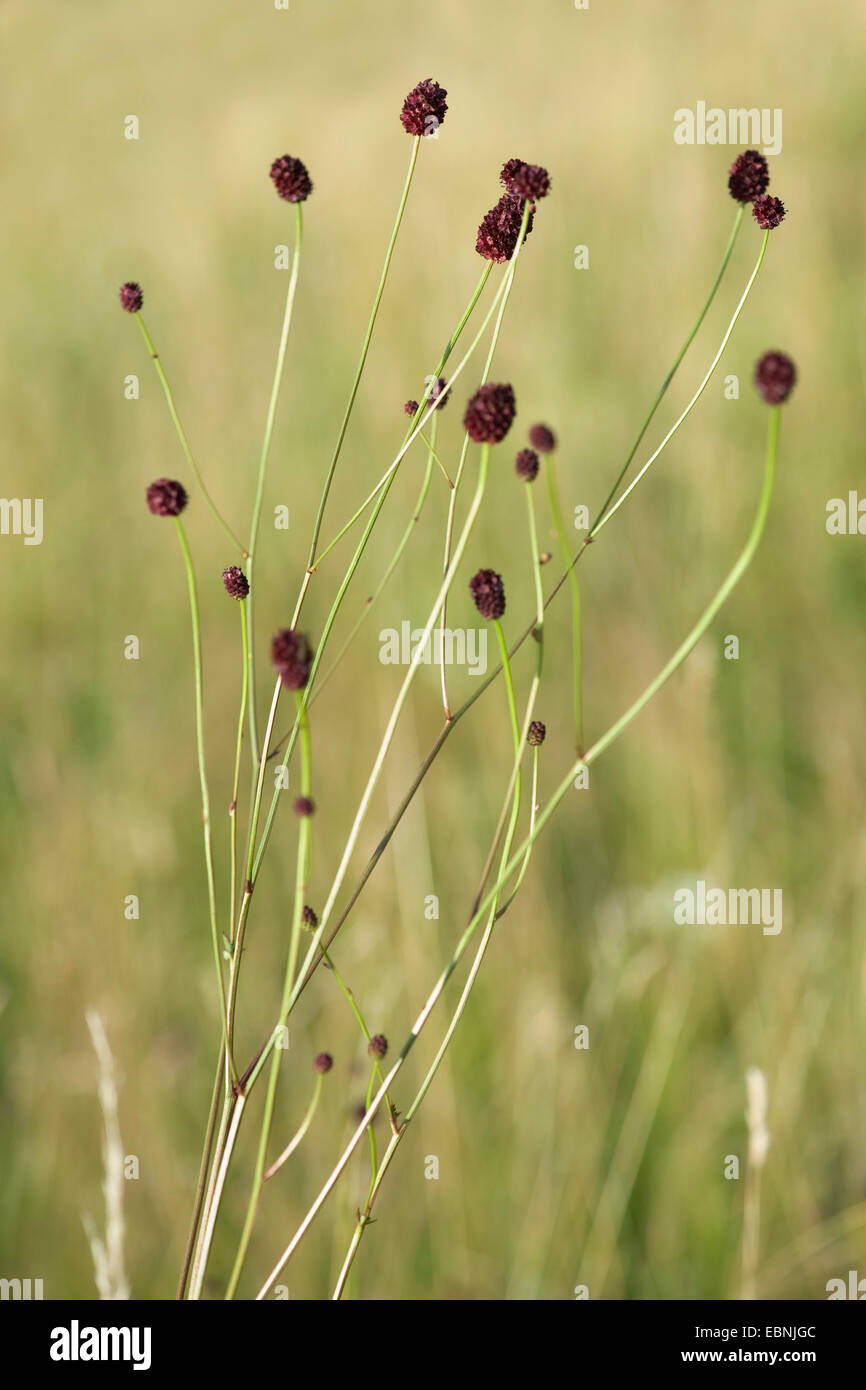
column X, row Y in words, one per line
column 490, row 413
column 291, row 179
column 526, row 465
column 131, row 297
column 236, row 583
column 775, row 377
column 500, row 228
column 166, row 497
column 488, row 592
column 542, row 438
column 424, row 108
column 768, row 212
column 292, row 657
column 748, row 177
column 537, row 734
column 529, row 182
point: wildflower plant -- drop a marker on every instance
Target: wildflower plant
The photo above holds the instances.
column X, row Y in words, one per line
column 489, row 418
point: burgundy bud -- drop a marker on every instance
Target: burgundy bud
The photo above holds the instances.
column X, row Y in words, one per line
column 768, row 212
column 488, row 591
column 236, row 583
column 411, row 408
column 528, row 181
column 775, row 377
column 378, row 1046
column 500, row 228
column 748, row 176
column 526, row 465
column 303, row 806
column 438, row 393
column 424, row 108
column 542, row 438
column 291, row 179
column 536, row 735
column 490, row 413
column 292, row 657
column 131, row 297
column 166, row 497
column 309, row 918
column 323, row 1063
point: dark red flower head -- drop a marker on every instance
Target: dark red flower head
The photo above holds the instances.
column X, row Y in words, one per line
column 500, row 228
column 291, row 179
column 537, row 734
column 748, row 176
column 424, row 108
column 510, row 169
column 303, row 806
column 236, row 582
column 323, row 1064
column 527, row 181
column 542, row 438
column 526, row 465
column 768, row 212
column 378, row 1046
column 775, row 377
column 490, row 413
column 438, row 393
column 411, row 408
column 131, row 297
column 487, row 590
column 166, row 497
column 309, row 918
column 292, row 657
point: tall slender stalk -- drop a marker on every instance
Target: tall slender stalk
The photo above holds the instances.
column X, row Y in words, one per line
column 205, row 796
column 181, row 434
column 263, row 465
column 513, row 864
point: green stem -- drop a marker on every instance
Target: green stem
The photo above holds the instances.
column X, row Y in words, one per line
column 413, row 159
column 263, row 464
column 298, row 1136
column 738, row 218
column 515, row 860
column 291, row 966
column 356, row 559
column 233, row 807
column 205, row 797
column 181, row 434
column 605, row 518
column 380, row 756
column 575, row 599
column 452, row 503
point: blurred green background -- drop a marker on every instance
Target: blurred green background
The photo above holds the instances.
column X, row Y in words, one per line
column 557, row 1167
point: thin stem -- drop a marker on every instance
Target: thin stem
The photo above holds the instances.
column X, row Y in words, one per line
column 380, row 757
column 263, row 464
column 304, row 833
column 356, row 559
column 181, row 434
column 395, row 560
column 413, row 160
column 233, row 806
column 603, row 520
column 559, row 524
column 218, row 1091
column 298, row 1136
column 515, row 860
column 452, row 504
column 419, row 421
column 232, row 1116
column 738, row 218
column 205, row 797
